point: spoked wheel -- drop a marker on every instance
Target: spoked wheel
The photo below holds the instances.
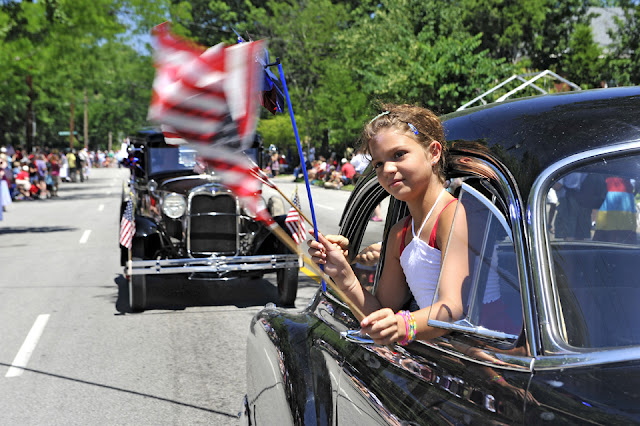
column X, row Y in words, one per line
column 287, row 286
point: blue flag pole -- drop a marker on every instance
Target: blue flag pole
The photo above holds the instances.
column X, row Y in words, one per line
column 302, row 162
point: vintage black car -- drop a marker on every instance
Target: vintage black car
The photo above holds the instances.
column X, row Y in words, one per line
column 550, row 331
column 187, row 222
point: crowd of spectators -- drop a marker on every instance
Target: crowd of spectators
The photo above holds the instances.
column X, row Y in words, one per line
column 37, row 175
column 332, row 173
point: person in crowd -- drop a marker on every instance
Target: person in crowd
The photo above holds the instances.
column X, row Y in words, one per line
column 38, row 185
column 71, row 162
column 616, row 217
column 275, row 164
column 23, row 184
column 333, row 179
column 6, row 181
column 81, row 162
column 64, row 169
column 407, row 147
column 54, row 163
column 359, row 162
column 348, row 172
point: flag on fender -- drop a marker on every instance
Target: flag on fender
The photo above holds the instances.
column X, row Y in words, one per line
column 293, row 221
column 127, row 225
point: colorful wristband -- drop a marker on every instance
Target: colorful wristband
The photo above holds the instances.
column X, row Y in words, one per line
column 410, row 327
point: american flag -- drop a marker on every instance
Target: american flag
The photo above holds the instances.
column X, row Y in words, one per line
column 210, row 98
column 293, row 221
column 127, row 225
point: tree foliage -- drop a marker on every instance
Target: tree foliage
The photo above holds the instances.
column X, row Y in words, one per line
column 340, row 57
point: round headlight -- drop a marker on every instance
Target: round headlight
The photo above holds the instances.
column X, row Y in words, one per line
column 174, row 205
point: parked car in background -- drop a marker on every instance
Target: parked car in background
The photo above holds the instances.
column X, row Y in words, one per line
column 188, row 223
column 549, row 333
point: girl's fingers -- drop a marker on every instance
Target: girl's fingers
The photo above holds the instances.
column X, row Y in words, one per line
column 376, row 316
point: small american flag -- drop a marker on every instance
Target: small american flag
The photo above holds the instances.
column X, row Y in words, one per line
column 127, row 225
column 293, row 222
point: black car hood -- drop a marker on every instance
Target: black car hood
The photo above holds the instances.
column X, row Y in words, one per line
column 182, row 185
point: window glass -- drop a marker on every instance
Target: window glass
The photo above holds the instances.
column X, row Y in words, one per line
column 591, row 218
column 172, row 159
column 491, row 293
column 367, row 261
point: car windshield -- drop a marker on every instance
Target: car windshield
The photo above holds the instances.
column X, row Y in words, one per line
column 171, row 159
column 592, row 227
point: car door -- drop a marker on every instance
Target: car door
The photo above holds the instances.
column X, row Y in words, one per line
column 479, row 372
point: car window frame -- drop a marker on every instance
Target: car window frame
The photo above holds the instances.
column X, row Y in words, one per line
column 555, row 347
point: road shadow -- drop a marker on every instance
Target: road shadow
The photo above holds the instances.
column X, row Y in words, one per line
column 126, row 391
column 35, row 229
column 177, row 292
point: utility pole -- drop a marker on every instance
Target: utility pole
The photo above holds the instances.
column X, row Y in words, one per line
column 86, row 120
column 71, row 123
column 110, row 141
column 29, row 123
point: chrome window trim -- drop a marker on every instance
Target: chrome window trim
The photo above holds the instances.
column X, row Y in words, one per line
column 505, row 361
column 555, row 348
column 212, row 192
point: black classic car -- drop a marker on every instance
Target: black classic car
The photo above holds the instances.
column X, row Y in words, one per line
column 188, row 223
column 550, row 330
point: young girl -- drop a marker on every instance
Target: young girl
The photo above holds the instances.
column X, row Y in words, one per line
column 406, row 144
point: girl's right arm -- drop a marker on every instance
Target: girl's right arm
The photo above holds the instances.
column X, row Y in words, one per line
column 392, row 289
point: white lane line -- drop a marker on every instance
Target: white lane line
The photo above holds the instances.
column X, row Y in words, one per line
column 101, row 207
column 108, row 192
column 325, row 207
column 29, row 345
column 85, row 236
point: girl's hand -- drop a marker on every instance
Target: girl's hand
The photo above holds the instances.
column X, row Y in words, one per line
column 331, row 251
column 384, row 327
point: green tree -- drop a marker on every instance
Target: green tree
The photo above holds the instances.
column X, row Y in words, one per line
column 410, row 52
column 624, row 59
column 583, row 61
column 303, row 34
column 66, row 49
column 538, row 29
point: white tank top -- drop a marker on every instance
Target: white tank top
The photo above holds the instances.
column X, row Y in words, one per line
column 421, row 264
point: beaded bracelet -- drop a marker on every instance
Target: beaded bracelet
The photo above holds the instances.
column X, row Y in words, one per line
column 410, row 327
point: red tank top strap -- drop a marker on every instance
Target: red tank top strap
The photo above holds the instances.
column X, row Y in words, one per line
column 404, row 233
column 432, row 237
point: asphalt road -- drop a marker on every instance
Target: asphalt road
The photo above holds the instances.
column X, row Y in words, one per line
column 70, row 351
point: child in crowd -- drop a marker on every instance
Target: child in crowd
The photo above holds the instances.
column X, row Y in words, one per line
column 407, row 148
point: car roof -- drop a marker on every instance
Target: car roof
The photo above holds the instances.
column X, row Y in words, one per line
column 529, row 134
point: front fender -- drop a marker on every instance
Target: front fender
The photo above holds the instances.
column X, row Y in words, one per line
column 290, row 372
column 146, row 227
column 147, row 241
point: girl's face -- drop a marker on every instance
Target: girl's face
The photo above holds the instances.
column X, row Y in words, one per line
column 403, row 166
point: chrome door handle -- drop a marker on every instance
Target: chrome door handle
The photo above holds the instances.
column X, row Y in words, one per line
column 355, row 336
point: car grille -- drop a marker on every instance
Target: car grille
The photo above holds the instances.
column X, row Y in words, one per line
column 213, row 225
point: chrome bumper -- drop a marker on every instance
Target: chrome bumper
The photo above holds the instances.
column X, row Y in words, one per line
column 219, row 264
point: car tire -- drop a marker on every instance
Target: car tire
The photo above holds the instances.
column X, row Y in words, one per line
column 137, row 293
column 137, row 283
column 287, row 286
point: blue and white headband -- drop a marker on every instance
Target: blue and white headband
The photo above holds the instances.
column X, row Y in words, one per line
column 411, row 126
